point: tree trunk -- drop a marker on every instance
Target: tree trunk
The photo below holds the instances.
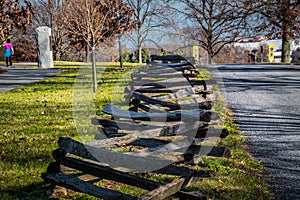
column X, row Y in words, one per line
column 94, row 70
column 140, row 55
column 120, row 52
column 210, row 59
column 87, row 53
column 286, row 41
column 139, row 47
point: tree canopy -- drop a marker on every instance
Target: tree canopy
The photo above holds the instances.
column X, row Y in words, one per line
column 279, row 18
column 212, row 24
column 14, row 15
column 90, row 22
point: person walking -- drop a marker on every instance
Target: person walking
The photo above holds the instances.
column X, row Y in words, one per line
column 8, row 52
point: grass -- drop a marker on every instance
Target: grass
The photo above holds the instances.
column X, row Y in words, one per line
column 33, row 117
column 238, row 177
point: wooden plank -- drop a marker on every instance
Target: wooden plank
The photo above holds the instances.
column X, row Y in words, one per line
column 143, row 107
column 159, row 90
column 160, row 129
column 153, row 74
column 74, row 183
column 172, row 58
column 179, row 64
column 120, row 141
column 170, row 169
column 202, row 82
column 196, row 100
column 183, row 146
column 165, row 129
column 190, row 104
column 148, row 142
column 168, row 83
column 113, row 159
column 194, row 115
column 177, row 95
column 98, row 120
column 184, row 171
column 157, row 73
column 153, row 89
column 157, row 67
column 122, row 124
column 164, row 191
column 171, row 84
column 192, row 195
column 164, row 67
column 201, row 150
column 211, row 132
column 113, row 131
column 149, row 100
column 108, row 173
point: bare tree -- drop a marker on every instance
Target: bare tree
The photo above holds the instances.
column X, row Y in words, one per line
column 212, row 24
column 146, row 14
column 14, row 15
column 93, row 21
column 50, row 14
column 278, row 18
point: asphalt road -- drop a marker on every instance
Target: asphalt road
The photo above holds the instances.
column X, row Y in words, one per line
column 265, row 100
column 19, row 77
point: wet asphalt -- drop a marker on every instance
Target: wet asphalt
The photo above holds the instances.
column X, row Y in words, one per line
column 265, row 100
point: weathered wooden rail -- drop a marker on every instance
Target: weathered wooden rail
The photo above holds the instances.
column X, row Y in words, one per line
column 163, row 128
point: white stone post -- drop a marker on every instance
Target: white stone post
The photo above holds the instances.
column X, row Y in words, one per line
column 44, row 47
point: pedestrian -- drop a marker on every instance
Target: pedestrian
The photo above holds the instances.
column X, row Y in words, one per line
column 8, row 52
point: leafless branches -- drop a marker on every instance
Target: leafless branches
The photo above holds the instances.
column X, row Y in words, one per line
column 90, row 22
column 212, row 24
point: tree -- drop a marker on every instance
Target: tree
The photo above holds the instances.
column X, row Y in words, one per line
column 50, row 14
column 14, row 15
column 212, row 24
column 24, row 47
column 93, row 21
column 145, row 54
column 277, row 17
column 145, row 14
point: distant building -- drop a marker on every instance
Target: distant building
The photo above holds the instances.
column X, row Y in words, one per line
column 295, row 44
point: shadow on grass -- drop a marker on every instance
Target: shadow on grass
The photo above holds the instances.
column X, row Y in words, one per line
column 41, row 190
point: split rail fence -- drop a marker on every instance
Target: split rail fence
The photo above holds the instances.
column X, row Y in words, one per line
column 169, row 117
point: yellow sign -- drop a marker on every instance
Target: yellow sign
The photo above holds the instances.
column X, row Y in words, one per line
column 271, row 51
column 196, row 53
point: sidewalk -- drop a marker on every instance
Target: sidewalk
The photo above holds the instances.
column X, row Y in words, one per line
column 16, row 77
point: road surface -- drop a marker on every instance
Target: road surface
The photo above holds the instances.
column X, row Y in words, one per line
column 19, row 77
column 265, row 100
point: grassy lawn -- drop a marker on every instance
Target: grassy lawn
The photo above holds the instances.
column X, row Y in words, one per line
column 35, row 116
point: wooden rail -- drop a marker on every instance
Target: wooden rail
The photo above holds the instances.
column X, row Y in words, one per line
column 168, row 119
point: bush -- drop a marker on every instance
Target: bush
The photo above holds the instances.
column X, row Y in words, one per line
column 133, row 58
column 145, row 55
